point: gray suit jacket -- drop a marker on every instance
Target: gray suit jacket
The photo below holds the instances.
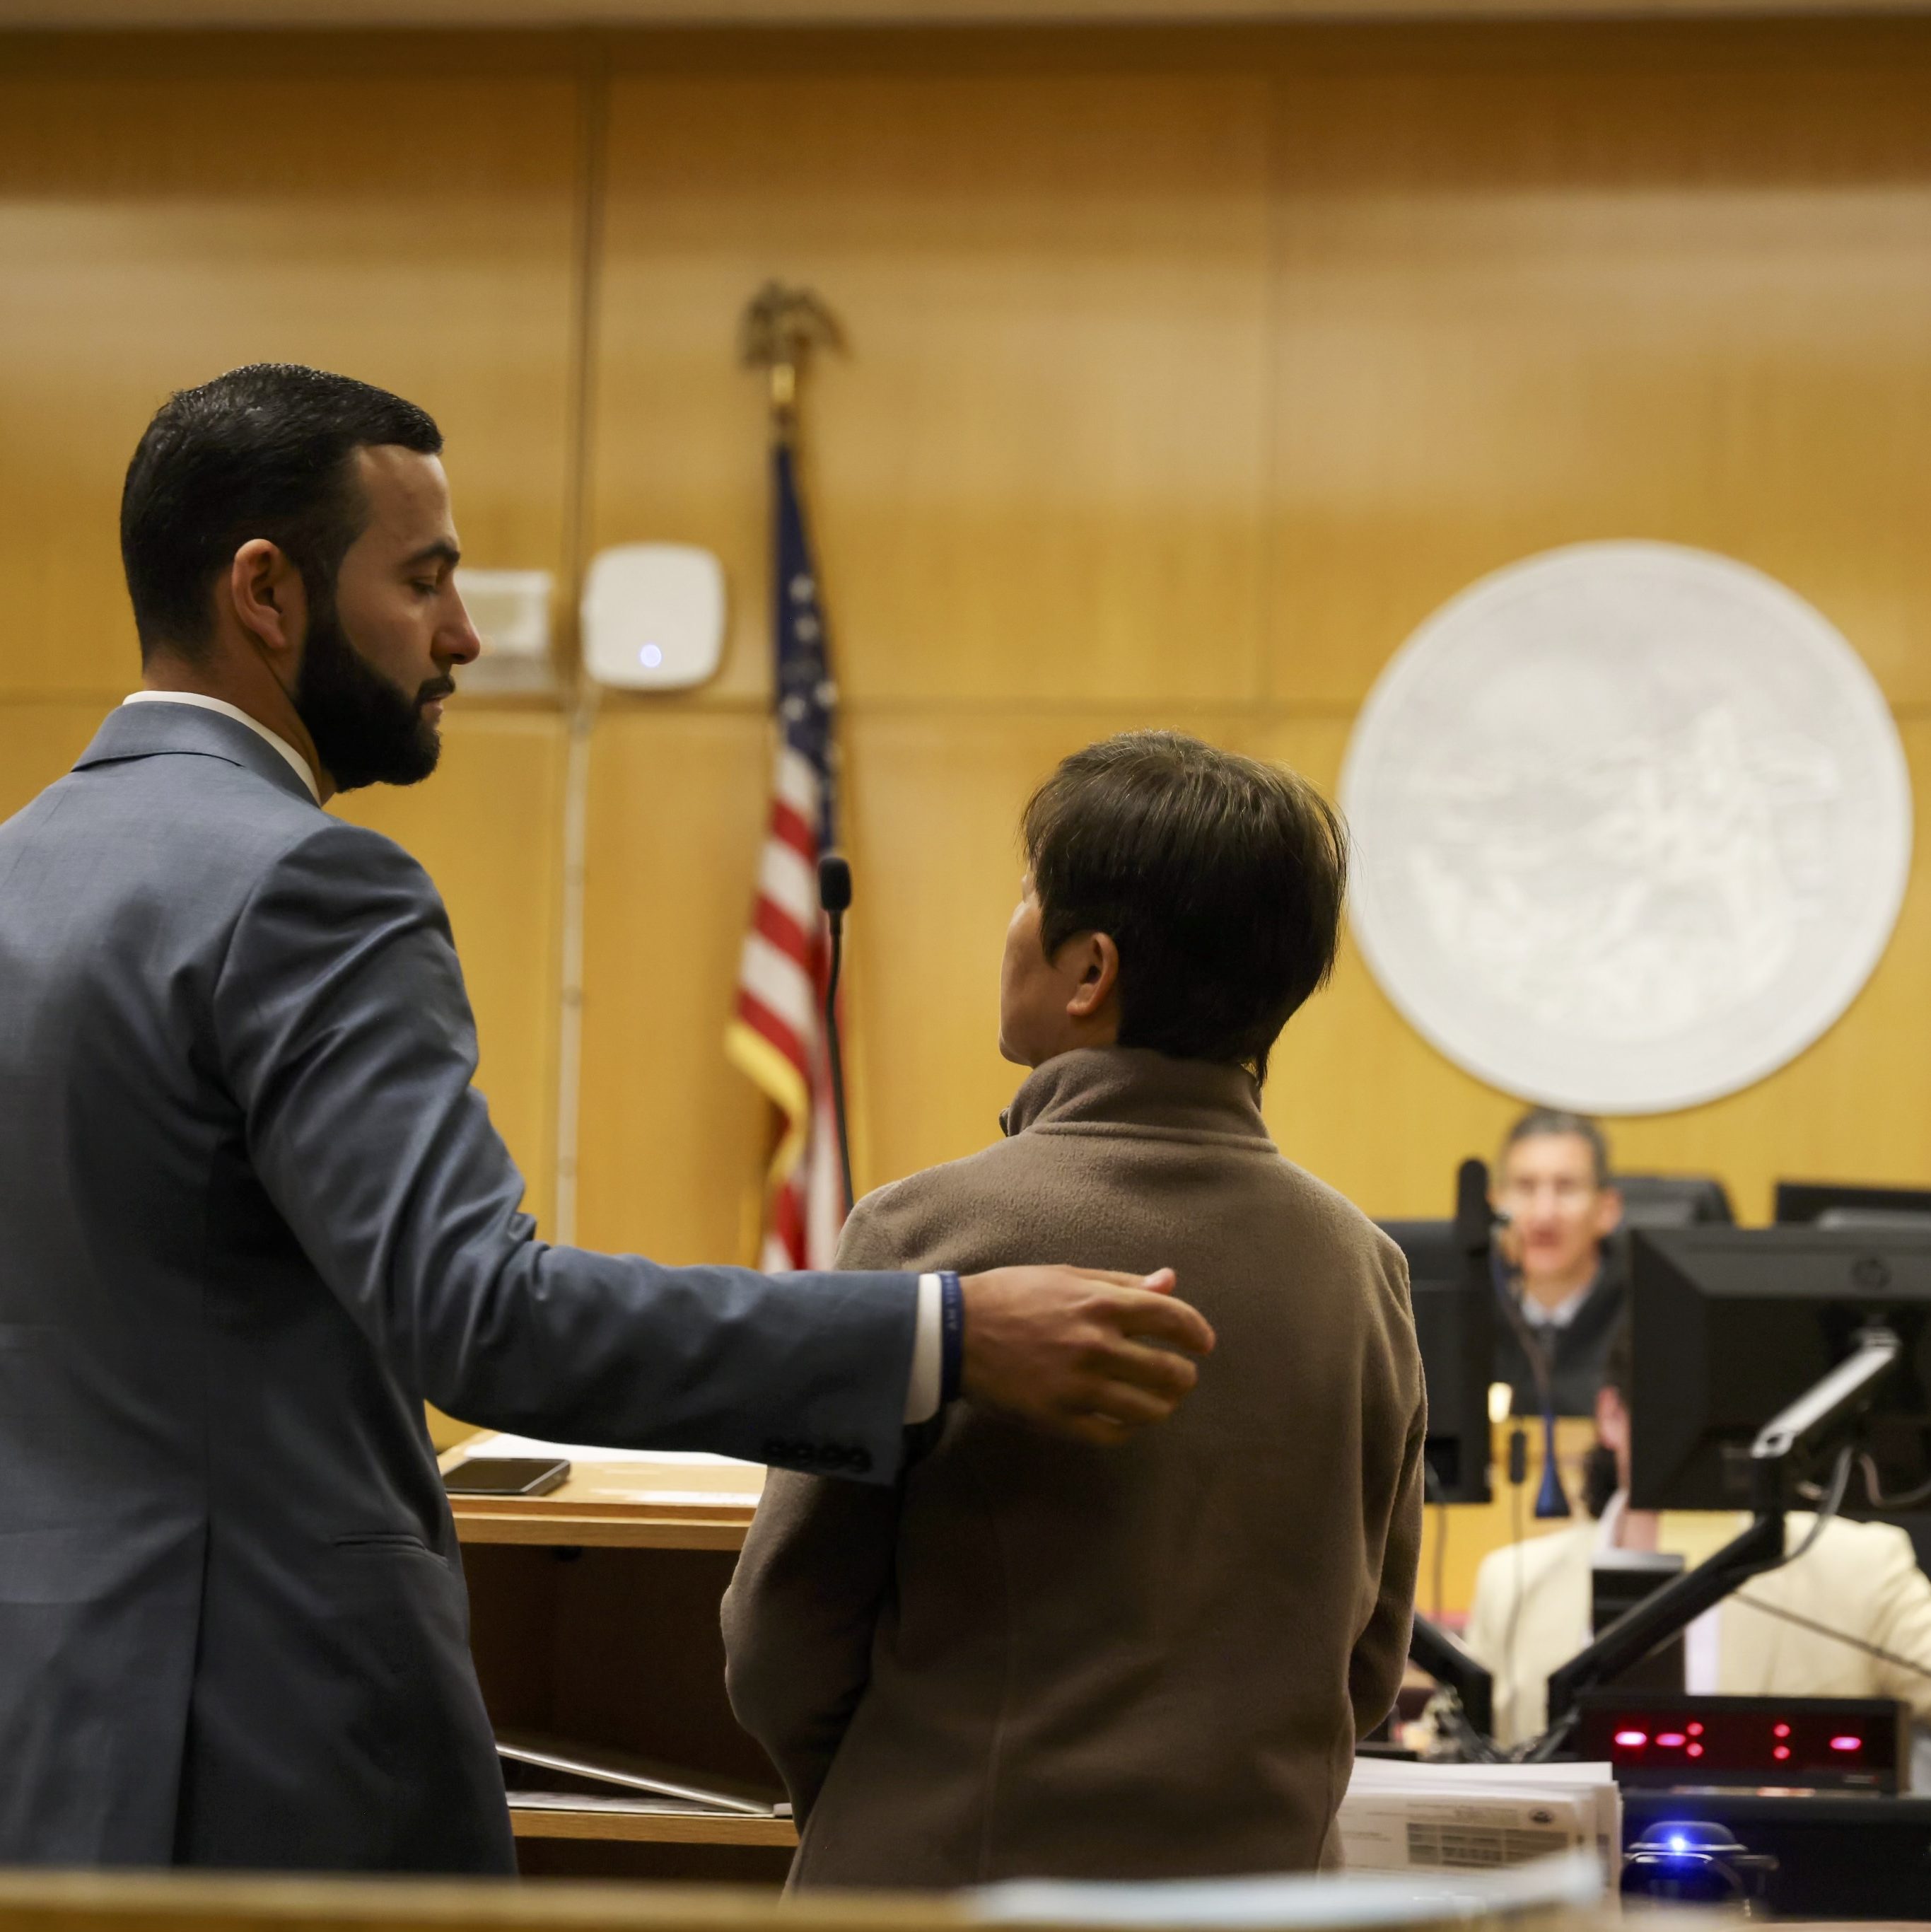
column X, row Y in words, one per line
column 254, row 1212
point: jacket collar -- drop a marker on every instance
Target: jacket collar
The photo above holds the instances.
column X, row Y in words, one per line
column 1134, row 1087
column 159, row 730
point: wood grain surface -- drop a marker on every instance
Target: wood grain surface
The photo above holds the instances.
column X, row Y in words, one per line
column 1189, row 370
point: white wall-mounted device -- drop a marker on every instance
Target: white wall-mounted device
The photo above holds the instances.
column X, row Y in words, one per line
column 653, row 617
column 510, row 610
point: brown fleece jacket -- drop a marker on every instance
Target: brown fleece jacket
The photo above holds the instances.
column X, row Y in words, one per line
column 1036, row 1658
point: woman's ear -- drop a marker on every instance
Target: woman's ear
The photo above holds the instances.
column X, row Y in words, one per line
column 1098, row 965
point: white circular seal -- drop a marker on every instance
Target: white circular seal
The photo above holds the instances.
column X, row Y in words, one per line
column 1631, row 826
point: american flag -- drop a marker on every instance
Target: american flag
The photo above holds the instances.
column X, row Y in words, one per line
column 776, row 1035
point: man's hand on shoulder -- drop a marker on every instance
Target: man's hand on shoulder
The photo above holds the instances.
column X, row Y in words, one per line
column 1078, row 1351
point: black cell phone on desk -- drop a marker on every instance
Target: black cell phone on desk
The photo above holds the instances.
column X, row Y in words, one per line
column 506, row 1476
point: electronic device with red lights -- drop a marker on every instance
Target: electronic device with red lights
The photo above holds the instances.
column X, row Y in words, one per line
column 1818, row 1744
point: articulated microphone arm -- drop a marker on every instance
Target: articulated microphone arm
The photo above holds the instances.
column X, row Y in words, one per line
column 1451, row 1663
column 1794, row 1433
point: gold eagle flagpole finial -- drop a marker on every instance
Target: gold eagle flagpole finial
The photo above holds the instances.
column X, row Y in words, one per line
column 781, row 327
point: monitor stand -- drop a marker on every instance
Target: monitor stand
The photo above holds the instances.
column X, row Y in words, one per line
column 1795, row 1432
column 1619, row 1579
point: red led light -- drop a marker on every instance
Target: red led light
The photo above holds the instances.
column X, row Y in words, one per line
column 1633, row 1740
column 1695, row 1750
column 1781, row 1752
column 1847, row 1744
column 1695, row 1730
column 1780, row 1731
column 1670, row 1740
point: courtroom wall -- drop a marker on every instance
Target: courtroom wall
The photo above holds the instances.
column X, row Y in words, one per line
column 1189, row 372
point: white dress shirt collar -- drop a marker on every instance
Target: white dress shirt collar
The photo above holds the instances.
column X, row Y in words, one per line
column 297, row 763
column 1609, row 1524
column 1539, row 1316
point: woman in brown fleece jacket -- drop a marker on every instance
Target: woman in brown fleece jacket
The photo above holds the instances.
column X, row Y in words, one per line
column 1039, row 1659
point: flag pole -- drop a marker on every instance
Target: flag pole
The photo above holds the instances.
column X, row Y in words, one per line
column 781, row 326
column 793, row 953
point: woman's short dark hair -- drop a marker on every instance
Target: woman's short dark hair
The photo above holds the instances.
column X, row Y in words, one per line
column 261, row 452
column 1219, row 878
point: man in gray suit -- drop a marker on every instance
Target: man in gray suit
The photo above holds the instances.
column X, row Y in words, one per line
column 254, row 1212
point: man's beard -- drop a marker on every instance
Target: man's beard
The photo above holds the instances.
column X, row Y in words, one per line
column 367, row 730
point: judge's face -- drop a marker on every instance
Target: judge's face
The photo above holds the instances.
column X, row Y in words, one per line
column 1559, row 1216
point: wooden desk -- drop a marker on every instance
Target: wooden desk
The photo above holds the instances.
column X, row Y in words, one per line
column 594, row 1616
column 627, row 1505
column 643, row 1828
column 86, row 1901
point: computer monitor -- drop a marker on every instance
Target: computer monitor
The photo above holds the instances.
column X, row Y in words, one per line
column 1454, row 1323
column 1810, row 1201
column 1730, row 1324
column 1673, row 1200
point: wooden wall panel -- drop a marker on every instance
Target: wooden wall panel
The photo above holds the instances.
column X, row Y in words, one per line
column 1180, row 391
column 1536, row 287
column 39, row 743
column 673, row 1137
column 1362, row 1099
column 1038, row 474
column 1526, row 287
column 935, row 806
column 403, row 211
column 167, row 216
column 486, row 828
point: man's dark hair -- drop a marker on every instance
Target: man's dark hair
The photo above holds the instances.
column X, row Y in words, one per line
column 1541, row 1121
column 1220, row 879
column 261, row 452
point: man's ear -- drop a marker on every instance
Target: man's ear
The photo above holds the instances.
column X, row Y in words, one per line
column 270, row 602
column 1608, row 1212
column 1098, row 962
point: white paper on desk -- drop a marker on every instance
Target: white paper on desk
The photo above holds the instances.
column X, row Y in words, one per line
column 1254, row 1904
column 496, row 1446
column 657, row 1804
column 1398, row 1815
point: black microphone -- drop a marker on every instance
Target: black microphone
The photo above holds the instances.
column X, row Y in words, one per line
column 835, row 895
column 1474, row 1218
column 834, row 886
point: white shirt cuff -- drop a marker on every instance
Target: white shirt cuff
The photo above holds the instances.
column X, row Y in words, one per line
column 922, row 1393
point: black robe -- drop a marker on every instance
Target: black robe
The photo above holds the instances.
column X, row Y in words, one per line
column 1578, row 1350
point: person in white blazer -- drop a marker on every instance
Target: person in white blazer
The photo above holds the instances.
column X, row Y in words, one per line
column 1814, row 1628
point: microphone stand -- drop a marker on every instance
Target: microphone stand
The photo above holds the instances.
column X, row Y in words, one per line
column 1445, row 1657
column 834, row 896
